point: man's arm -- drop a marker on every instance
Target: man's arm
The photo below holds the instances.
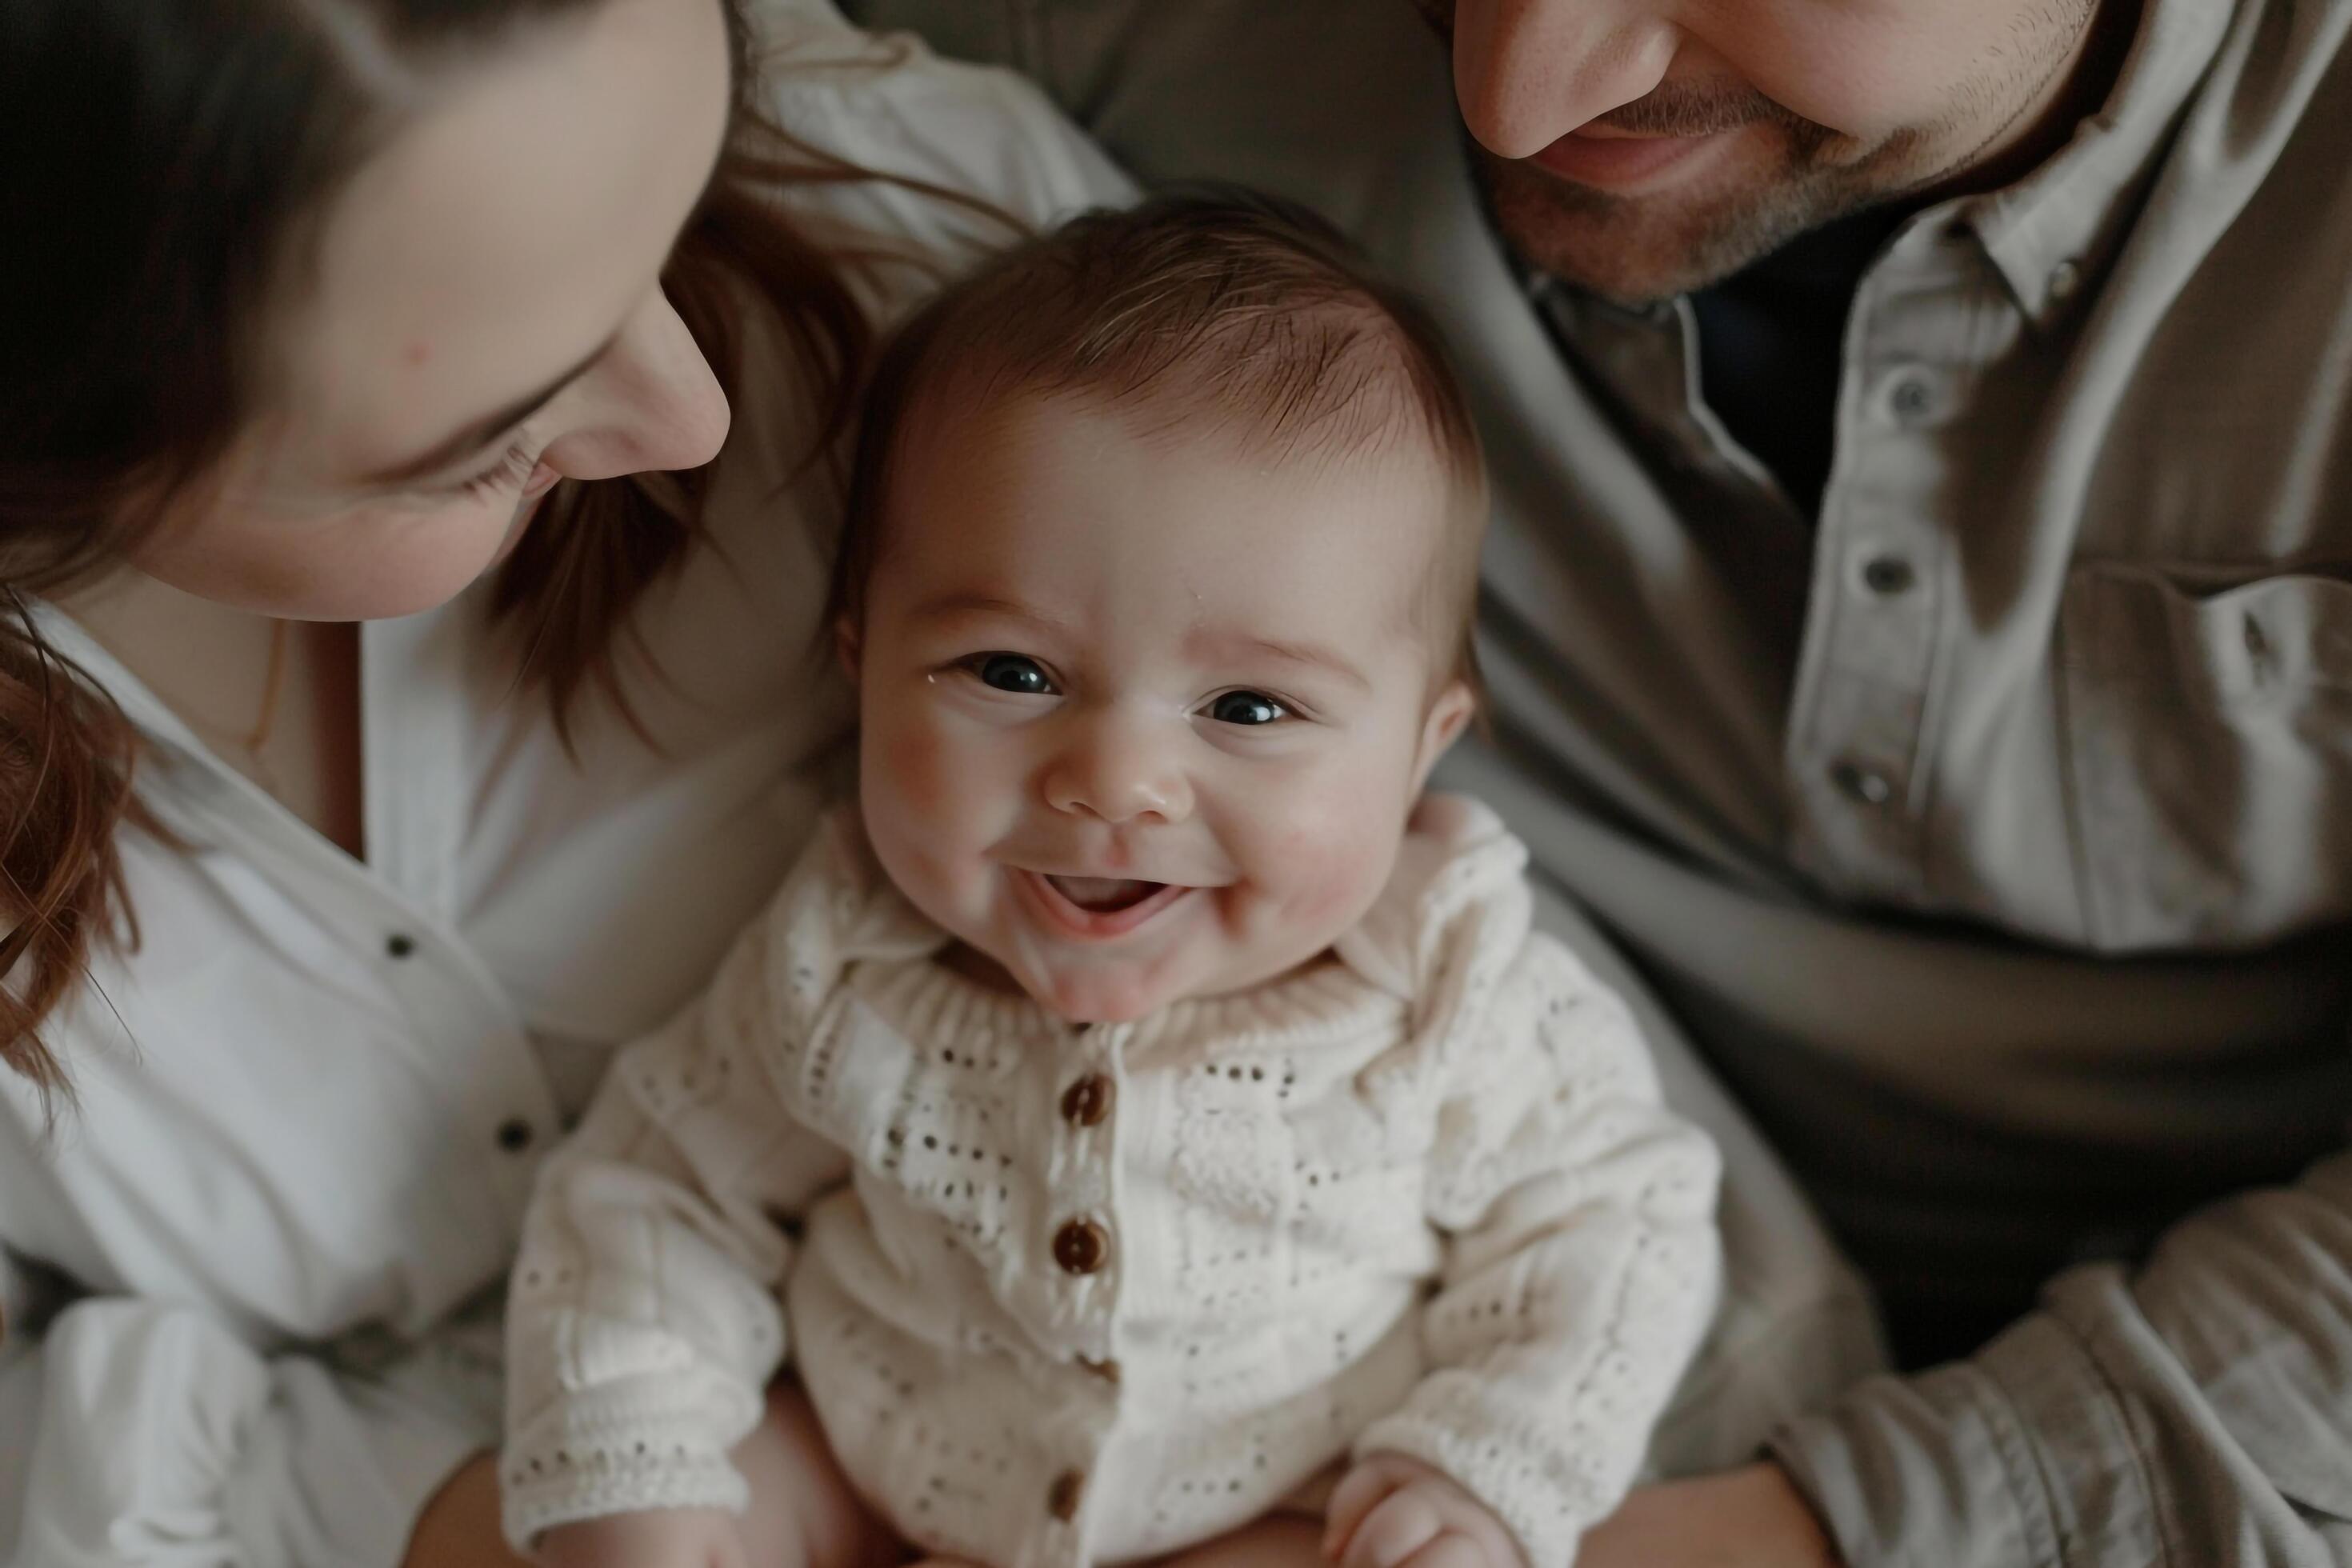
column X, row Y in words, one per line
column 2196, row 1413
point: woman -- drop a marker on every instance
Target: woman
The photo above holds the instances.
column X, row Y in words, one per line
column 338, row 311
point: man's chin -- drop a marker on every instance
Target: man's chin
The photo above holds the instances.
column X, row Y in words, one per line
column 1638, row 250
column 1634, row 250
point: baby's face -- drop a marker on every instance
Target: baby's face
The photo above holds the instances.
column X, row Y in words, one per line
column 1143, row 714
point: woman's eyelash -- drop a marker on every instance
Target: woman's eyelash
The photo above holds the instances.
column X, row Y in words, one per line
column 507, row 473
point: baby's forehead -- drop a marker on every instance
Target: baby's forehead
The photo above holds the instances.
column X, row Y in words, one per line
column 1175, row 467
column 1174, row 525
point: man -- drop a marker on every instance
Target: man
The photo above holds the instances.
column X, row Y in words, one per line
column 1919, row 622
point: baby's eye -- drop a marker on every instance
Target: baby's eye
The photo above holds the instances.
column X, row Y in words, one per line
column 1247, row 708
column 1013, row 673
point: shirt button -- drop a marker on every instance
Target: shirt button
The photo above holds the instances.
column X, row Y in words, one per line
column 400, row 945
column 1865, row 784
column 1062, row 1497
column 1888, row 574
column 2064, row 278
column 1081, row 1246
column 1087, row 1103
column 1909, row 398
column 514, row 1135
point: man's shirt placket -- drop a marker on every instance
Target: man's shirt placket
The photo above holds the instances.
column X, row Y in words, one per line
column 1862, row 745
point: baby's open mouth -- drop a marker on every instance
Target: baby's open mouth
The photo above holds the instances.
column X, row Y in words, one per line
column 1104, row 895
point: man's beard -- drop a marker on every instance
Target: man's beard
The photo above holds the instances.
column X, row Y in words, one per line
column 1639, row 248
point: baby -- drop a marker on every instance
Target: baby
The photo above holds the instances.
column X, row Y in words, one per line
column 1150, row 1127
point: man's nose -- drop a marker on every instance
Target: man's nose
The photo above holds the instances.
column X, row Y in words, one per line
column 1528, row 72
column 1113, row 768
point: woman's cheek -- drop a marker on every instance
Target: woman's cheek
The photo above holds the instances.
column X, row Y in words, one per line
column 382, row 562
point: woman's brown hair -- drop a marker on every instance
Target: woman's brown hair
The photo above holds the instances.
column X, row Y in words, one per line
column 161, row 155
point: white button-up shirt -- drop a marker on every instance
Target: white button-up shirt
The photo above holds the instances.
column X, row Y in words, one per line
column 310, row 1100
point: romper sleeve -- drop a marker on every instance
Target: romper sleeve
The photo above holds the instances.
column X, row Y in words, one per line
column 1583, row 1261
column 643, row 1318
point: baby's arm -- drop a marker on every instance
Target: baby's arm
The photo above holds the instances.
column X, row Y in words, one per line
column 1580, row 1275
column 1390, row 1511
column 643, row 1325
column 671, row 1538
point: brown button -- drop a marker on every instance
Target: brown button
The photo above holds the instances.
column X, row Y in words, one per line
column 1106, row 1370
column 1061, row 1498
column 1087, row 1102
column 1081, row 1246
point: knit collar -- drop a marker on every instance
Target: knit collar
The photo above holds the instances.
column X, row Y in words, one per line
column 1455, row 853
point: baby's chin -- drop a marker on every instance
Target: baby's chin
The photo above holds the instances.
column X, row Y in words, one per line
column 1122, row 994
column 1096, row 994
column 1109, row 995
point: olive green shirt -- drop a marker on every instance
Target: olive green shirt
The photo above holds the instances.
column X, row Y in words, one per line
column 1992, row 829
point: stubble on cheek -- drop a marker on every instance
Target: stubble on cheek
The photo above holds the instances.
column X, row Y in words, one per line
column 1637, row 250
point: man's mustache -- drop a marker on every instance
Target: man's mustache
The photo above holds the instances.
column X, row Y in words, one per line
column 1696, row 110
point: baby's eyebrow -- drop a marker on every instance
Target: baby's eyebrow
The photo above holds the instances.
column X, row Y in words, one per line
column 1312, row 656
column 945, row 605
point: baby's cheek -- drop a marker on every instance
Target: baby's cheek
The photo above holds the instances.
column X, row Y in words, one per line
column 1330, row 866
column 914, row 768
column 903, row 790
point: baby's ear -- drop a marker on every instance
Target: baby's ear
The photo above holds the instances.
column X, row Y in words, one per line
column 847, row 646
column 1448, row 716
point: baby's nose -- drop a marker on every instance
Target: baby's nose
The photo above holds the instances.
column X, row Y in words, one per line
column 1113, row 772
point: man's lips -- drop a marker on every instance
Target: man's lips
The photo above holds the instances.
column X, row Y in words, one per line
column 1096, row 907
column 1610, row 160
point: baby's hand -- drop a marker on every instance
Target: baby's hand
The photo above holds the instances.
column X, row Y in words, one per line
column 658, row 1538
column 1394, row 1512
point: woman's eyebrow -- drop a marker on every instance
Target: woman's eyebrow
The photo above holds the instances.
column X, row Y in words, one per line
column 479, row 432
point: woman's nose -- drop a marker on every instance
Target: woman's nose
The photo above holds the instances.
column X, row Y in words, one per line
column 651, row 402
column 1528, row 72
column 1111, row 769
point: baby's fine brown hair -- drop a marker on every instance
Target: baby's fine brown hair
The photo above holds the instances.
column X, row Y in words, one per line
column 1224, row 310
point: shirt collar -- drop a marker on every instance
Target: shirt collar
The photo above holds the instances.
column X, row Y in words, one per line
column 2052, row 233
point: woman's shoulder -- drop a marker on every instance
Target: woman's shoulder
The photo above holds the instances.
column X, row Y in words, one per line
column 887, row 104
